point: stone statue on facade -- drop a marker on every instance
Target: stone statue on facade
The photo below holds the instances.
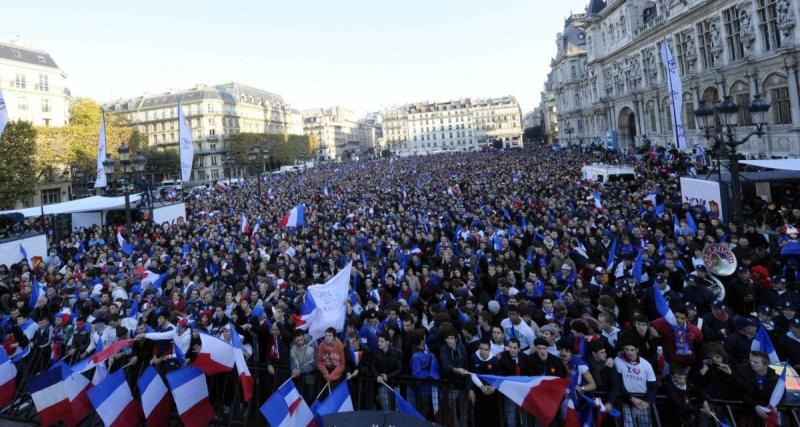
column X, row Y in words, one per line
column 716, row 41
column 785, row 18
column 746, row 35
column 691, row 50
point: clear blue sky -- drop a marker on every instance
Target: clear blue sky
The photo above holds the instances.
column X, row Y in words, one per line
column 363, row 55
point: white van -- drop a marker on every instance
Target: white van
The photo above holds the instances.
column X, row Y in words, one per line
column 169, row 184
column 603, row 173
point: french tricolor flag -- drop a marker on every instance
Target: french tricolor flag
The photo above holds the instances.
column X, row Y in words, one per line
column 156, row 401
column 29, row 328
column 8, row 377
column 50, row 397
column 95, row 359
column 244, row 373
column 124, row 245
column 216, row 356
column 539, row 396
column 36, row 292
column 243, row 225
column 295, row 218
column 114, row 403
column 663, row 307
column 775, row 399
column 286, row 408
column 762, row 342
column 190, row 392
column 338, row 401
column 77, row 387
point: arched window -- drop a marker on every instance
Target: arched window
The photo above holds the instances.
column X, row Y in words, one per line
column 666, row 111
column 711, row 98
column 650, row 113
column 776, row 91
column 688, row 111
column 740, row 93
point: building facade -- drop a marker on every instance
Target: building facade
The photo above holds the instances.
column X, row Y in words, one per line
column 722, row 48
column 458, row 125
column 35, row 90
column 213, row 113
column 33, row 86
column 338, row 133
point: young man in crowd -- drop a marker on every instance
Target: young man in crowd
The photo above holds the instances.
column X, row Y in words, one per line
column 637, row 385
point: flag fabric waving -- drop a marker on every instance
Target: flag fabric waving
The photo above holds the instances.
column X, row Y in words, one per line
column 100, row 179
column 3, row 115
column 36, row 292
column 294, row 218
column 598, row 201
column 190, row 393
column 403, row 405
column 775, row 399
column 215, row 355
column 8, row 378
column 114, row 403
column 95, row 359
column 663, row 307
column 155, row 398
column 24, row 254
column 77, row 387
column 323, row 306
column 124, row 245
column 185, row 145
column 245, row 379
column 50, row 397
column 539, row 396
column 338, row 401
column 762, row 342
column 286, row 408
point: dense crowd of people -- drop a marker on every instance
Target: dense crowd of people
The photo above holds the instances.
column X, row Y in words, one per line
column 500, row 262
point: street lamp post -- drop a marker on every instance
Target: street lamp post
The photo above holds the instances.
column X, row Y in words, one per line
column 569, row 131
column 229, row 163
column 258, row 154
column 727, row 113
column 128, row 169
column 78, row 180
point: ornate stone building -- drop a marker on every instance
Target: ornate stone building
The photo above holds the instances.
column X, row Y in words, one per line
column 722, row 48
column 213, row 113
column 458, row 125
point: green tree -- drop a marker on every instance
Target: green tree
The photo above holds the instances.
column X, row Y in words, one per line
column 162, row 162
column 283, row 148
column 85, row 112
column 18, row 167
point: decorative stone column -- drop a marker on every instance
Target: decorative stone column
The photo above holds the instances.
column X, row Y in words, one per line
column 794, row 99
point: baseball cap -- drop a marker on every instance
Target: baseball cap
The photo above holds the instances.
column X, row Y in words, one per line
column 719, row 305
column 766, row 310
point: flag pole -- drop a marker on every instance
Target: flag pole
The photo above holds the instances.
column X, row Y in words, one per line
column 327, row 385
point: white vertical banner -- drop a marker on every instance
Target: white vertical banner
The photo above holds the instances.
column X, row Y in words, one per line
column 186, row 146
column 3, row 114
column 100, row 180
column 675, row 87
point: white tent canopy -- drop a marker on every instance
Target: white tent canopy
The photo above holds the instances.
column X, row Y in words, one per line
column 88, row 204
column 781, row 164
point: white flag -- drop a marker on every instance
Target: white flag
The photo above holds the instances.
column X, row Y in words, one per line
column 100, row 181
column 675, row 87
column 186, row 146
column 325, row 308
column 3, row 114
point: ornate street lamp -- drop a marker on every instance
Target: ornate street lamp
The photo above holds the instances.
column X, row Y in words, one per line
column 728, row 113
column 124, row 171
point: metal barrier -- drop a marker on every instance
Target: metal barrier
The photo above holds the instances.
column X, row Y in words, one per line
column 438, row 400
